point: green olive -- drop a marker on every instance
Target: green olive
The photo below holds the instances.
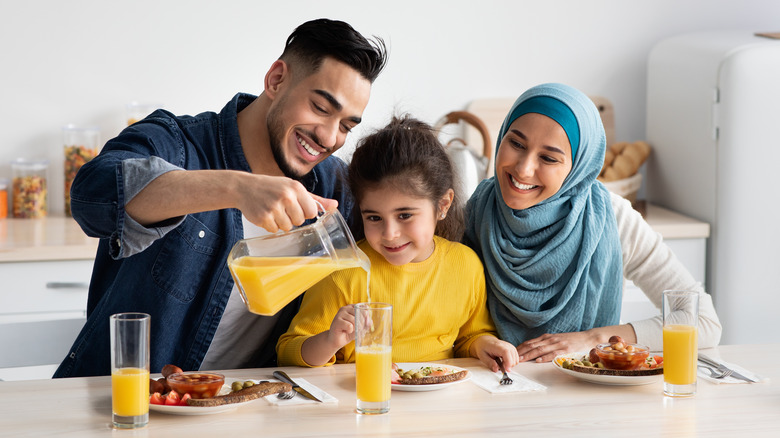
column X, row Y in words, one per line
column 566, row 364
column 418, row 376
column 587, row 363
column 249, row 383
column 599, row 365
column 236, row 386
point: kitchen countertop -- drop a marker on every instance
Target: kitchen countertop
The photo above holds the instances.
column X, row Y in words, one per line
column 60, row 237
column 50, row 238
column 673, row 225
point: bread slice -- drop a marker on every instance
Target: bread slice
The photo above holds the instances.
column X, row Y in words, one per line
column 608, row 372
column 428, row 380
column 253, row 392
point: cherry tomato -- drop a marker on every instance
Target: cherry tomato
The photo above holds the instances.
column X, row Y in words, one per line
column 157, row 399
column 173, row 398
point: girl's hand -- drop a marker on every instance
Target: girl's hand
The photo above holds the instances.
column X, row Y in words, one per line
column 342, row 329
column 487, row 348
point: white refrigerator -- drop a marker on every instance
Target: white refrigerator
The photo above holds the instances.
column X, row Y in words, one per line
column 713, row 120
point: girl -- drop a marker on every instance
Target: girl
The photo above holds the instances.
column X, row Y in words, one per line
column 556, row 244
column 403, row 182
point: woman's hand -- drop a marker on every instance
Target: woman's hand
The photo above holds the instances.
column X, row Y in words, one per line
column 487, row 348
column 546, row 347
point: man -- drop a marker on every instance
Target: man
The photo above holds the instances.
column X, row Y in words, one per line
column 170, row 196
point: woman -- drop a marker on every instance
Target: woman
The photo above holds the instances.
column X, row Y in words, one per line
column 556, row 244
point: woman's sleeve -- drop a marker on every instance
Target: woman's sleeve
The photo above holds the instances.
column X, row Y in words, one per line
column 320, row 304
column 104, row 185
column 652, row 266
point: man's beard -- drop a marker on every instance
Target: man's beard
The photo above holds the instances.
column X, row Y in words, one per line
column 275, row 135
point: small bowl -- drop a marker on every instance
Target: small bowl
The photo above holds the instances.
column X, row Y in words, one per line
column 197, row 384
column 630, row 357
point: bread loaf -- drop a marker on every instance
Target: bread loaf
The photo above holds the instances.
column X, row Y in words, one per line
column 623, row 160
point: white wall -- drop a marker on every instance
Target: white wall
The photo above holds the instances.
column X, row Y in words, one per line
column 81, row 61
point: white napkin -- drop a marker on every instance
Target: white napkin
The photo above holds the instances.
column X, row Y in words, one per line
column 705, row 374
column 299, row 399
column 489, row 381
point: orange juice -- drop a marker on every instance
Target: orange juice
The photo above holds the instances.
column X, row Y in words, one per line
column 130, row 391
column 372, row 369
column 269, row 283
column 680, row 354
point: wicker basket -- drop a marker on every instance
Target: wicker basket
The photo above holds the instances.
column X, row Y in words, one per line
column 627, row 187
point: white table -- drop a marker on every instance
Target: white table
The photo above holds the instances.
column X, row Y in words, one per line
column 569, row 407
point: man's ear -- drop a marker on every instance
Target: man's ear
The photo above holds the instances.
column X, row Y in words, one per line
column 278, row 75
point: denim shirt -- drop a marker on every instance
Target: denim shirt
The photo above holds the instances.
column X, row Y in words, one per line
column 175, row 271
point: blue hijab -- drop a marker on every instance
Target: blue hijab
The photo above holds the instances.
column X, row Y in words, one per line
column 557, row 266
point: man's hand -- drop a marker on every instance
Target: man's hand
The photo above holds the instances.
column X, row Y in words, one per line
column 279, row 203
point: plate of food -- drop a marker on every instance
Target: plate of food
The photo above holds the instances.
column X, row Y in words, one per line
column 613, row 363
column 419, row 376
column 202, row 393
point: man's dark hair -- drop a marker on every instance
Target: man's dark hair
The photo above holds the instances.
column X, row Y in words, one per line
column 315, row 40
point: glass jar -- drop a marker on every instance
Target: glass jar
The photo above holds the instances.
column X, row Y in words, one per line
column 81, row 145
column 136, row 111
column 3, row 198
column 29, row 188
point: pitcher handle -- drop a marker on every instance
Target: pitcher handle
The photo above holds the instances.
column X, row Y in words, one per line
column 320, row 209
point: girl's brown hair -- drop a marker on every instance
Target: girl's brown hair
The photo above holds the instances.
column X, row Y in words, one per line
column 407, row 154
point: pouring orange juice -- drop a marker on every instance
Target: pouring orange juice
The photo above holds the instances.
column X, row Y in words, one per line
column 270, row 271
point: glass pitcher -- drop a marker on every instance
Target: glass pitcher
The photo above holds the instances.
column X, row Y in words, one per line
column 270, row 271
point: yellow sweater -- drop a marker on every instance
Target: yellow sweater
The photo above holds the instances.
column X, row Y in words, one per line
column 439, row 305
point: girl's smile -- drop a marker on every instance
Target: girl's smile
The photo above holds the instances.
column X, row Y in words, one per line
column 398, row 226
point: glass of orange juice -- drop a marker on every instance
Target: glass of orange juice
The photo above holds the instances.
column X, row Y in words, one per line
column 373, row 356
column 680, row 337
column 130, row 369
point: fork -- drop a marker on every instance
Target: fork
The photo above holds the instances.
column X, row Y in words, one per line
column 505, row 380
column 286, row 395
column 715, row 374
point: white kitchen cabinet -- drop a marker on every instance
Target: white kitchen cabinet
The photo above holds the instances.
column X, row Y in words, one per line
column 45, row 268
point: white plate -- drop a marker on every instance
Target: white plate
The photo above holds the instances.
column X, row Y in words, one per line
column 604, row 379
column 204, row 410
column 432, row 386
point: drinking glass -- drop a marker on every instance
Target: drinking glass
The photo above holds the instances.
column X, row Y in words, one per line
column 81, row 145
column 129, row 334
column 373, row 356
column 680, row 316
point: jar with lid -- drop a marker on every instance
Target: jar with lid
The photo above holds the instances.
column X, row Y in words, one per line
column 29, row 188
column 3, row 198
column 81, row 145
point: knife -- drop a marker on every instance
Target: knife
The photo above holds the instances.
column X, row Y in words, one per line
column 281, row 375
column 721, row 367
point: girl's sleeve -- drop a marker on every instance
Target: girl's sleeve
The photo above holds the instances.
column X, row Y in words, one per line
column 652, row 266
column 479, row 322
column 319, row 306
